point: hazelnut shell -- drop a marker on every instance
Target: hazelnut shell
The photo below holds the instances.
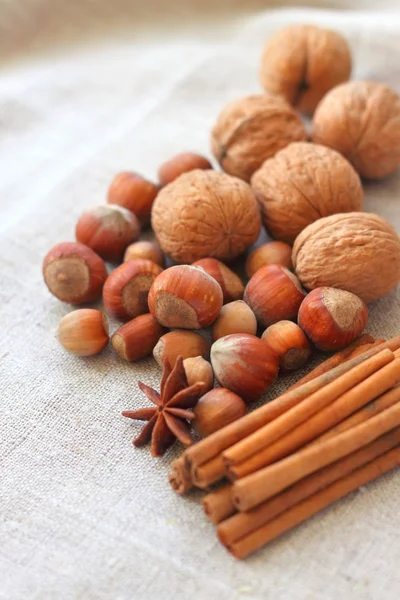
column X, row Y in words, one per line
column 231, row 284
column 126, row 290
column 290, row 344
column 235, row 317
column 74, row 273
column 244, row 364
column 198, row 369
column 270, row 253
column 134, row 192
column 332, row 318
column 186, row 297
column 137, row 338
column 216, row 409
column 179, row 164
column 180, row 342
column 146, row 250
column 274, row 294
column 107, row 230
column 83, row 332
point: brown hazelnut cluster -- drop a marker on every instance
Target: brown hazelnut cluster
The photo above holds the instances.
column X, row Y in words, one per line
column 199, row 313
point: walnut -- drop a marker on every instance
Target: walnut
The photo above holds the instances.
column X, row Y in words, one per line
column 303, row 62
column 361, row 120
column 303, row 183
column 205, row 214
column 252, row 129
column 358, row 252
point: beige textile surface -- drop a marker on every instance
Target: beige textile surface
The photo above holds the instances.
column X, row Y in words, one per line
column 86, row 89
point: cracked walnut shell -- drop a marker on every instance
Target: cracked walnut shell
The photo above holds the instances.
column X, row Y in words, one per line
column 303, row 62
column 357, row 252
column 205, row 214
column 252, row 129
column 303, row 183
column 361, row 120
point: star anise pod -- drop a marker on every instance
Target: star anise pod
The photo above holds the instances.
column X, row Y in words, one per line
column 170, row 418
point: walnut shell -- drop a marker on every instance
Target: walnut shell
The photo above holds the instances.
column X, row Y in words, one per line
column 205, row 214
column 358, row 252
column 252, row 129
column 303, row 183
column 303, row 62
column 361, row 120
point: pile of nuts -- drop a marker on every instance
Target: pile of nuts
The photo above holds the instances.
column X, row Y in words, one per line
column 308, row 195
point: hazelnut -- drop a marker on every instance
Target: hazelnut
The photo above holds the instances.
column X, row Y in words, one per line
column 361, row 120
column 206, row 213
column 107, row 230
column 303, row 62
column 181, row 163
column 83, row 332
column 187, row 344
column 235, row 317
column 252, row 129
column 137, row 338
column 146, row 250
column 274, row 294
column 332, row 318
column 289, row 343
column 134, row 192
column 186, row 297
column 303, row 183
column 244, row 364
column 231, row 284
column 216, row 409
column 126, row 289
column 271, row 253
column 197, row 369
column 358, row 252
column 74, row 273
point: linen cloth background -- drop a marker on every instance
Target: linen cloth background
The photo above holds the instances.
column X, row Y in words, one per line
column 87, row 89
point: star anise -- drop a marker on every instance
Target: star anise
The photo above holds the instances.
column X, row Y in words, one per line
column 170, row 418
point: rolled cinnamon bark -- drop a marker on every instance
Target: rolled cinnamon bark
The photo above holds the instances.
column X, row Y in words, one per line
column 369, row 410
column 243, row 523
column 218, row 505
column 313, row 504
column 293, row 417
column 363, row 343
column 258, row 487
column 179, row 477
column 214, row 444
column 364, row 348
column 208, row 473
column 328, row 417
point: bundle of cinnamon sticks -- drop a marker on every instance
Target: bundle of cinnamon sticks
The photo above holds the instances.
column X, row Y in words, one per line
column 332, row 432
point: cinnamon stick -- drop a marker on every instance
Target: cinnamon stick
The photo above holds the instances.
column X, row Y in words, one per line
column 215, row 443
column 293, row 417
column 218, row 505
column 328, row 417
column 208, row 473
column 179, row 477
column 335, row 360
column 243, row 523
column 258, row 487
column 364, row 348
column 309, row 507
column 365, row 413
